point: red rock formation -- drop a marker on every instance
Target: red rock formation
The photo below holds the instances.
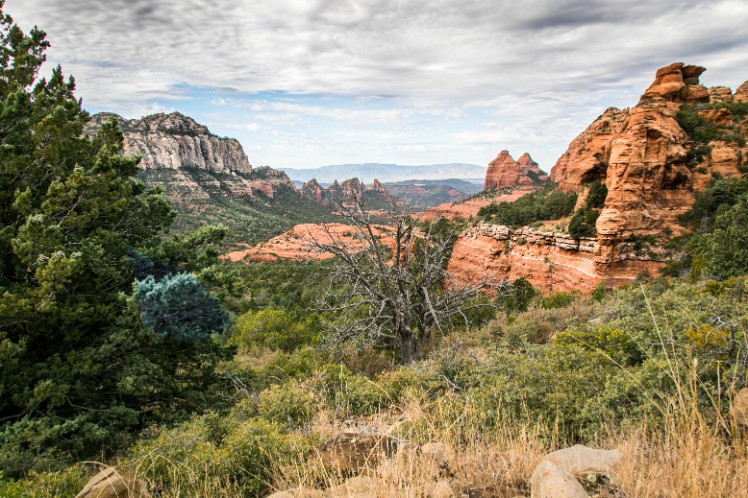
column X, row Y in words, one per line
column 504, row 171
column 741, row 94
column 642, row 156
column 347, row 193
column 300, row 243
column 312, row 190
column 467, row 208
column 720, row 94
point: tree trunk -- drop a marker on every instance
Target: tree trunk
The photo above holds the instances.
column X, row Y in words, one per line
column 407, row 348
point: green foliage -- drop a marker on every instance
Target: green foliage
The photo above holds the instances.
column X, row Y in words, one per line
column 78, row 371
column 180, row 308
column 289, row 286
column 273, row 329
column 718, row 248
column 613, row 343
column 546, row 203
column 725, row 250
column 192, row 251
column 557, row 300
column 292, row 404
column 702, row 131
column 582, row 224
column 721, row 192
column 598, row 191
column 348, row 393
column 517, row 297
column 67, row 482
column 214, row 449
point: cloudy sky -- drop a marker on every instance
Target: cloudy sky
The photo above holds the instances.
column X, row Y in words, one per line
column 304, row 83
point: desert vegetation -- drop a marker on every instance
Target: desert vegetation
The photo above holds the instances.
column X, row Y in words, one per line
column 128, row 348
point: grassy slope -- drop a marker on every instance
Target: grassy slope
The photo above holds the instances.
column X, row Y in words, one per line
column 249, row 220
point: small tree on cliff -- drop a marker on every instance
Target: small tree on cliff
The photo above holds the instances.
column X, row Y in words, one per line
column 392, row 285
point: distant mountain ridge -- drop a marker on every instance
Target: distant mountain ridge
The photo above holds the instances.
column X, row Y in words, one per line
column 386, row 173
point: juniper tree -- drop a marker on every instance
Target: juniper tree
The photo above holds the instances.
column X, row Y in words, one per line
column 78, row 370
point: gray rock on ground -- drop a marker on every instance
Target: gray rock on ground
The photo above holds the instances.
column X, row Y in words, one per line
column 556, row 474
column 114, row 483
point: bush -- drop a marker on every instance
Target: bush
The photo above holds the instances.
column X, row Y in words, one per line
column 179, row 307
column 546, row 203
column 66, row 482
column 292, row 404
column 348, row 393
column 211, row 450
column 557, row 300
column 517, row 297
column 598, row 191
column 582, row 224
column 272, row 329
column 612, row 343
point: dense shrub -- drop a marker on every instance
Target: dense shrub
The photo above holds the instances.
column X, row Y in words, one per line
column 273, row 329
column 582, row 224
column 291, row 404
column 179, row 307
column 212, row 451
column 546, row 203
column 598, row 191
column 721, row 194
column 517, row 296
column 702, row 131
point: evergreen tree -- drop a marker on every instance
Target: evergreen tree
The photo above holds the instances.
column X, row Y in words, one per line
column 77, row 368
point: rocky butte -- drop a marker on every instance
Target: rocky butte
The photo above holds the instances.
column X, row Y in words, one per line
column 504, row 171
column 347, row 193
column 188, row 160
column 652, row 169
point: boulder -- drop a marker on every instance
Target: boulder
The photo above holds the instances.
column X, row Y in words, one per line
column 112, row 482
column 440, row 489
column 355, row 487
column 549, row 481
column 581, row 460
column 557, row 474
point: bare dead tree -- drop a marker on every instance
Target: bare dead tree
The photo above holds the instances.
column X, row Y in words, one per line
column 391, row 282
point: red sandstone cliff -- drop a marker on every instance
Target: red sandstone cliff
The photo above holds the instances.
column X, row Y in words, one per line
column 504, row 171
column 648, row 164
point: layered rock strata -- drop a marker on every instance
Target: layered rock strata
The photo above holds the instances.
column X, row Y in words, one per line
column 651, row 170
column 551, row 261
column 188, row 160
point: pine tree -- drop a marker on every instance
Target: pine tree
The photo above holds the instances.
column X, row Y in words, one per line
column 78, row 370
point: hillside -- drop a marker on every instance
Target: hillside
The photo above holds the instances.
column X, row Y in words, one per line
column 423, row 194
column 209, row 179
column 523, row 345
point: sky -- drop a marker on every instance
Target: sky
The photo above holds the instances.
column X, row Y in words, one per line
column 307, row 83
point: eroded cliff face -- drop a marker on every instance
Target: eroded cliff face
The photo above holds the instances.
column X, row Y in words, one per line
column 504, row 171
column 651, row 168
column 188, row 160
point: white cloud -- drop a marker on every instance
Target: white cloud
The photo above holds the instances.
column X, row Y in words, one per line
column 540, row 69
